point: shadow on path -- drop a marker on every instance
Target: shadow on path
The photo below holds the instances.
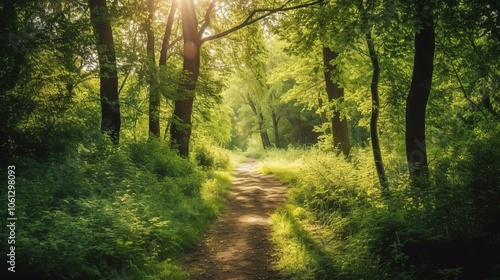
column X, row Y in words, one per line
column 238, row 245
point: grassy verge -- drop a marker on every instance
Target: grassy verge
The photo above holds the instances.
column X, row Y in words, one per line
column 336, row 225
column 309, row 231
column 107, row 212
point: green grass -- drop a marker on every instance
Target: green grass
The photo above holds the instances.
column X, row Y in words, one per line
column 215, row 189
column 326, row 228
column 301, row 254
column 104, row 212
column 336, row 225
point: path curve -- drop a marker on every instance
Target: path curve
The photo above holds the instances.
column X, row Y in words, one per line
column 238, row 245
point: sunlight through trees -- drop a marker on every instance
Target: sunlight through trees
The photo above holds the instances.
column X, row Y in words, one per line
column 124, row 118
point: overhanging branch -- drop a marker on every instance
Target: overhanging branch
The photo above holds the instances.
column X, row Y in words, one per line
column 252, row 19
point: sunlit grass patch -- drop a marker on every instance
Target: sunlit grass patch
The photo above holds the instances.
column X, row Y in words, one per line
column 308, row 248
column 167, row 269
column 293, row 259
column 319, row 233
column 305, row 250
column 282, row 169
column 215, row 188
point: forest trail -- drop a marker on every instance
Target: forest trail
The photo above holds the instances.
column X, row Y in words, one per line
column 238, row 245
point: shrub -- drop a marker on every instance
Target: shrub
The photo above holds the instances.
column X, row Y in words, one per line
column 212, row 157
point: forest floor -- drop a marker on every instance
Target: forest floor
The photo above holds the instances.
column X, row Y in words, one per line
column 238, row 245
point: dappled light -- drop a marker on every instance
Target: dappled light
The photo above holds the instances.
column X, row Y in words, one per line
column 238, row 246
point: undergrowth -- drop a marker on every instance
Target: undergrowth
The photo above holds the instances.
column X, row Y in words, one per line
column 107, row 212
column 336, row 224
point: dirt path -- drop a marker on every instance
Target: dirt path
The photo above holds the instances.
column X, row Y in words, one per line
column 238, row 245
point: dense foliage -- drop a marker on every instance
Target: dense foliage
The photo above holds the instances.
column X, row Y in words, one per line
column 337, row 224
column 107, row 213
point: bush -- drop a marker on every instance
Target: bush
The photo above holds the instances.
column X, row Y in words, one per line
column 210, row 158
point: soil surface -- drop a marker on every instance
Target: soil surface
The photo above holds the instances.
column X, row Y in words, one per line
column 238, row 245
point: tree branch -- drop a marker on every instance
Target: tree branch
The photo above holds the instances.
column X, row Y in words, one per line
column 168, row 31
column 175, row 41
column 267, row 12
column 123, row 82
column 207, row 18
column 465, row 91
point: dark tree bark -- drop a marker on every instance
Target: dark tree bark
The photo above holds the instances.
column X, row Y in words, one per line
column 110, row 106
column 377, row 155
column 266, row 143
column 154, row 94
column 165, row 46
column 275, row 120
column 154, row 98
column 418, row 96
column 180, row 130
column 339, row 126
column 322, row 115
column 166, row 37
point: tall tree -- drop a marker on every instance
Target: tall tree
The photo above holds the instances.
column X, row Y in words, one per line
column 266, row 143
column 154, row 94
column 180, row 131
column 375, row 108
column 377, row 153
column 335, row 93
column 275, row 120
column 165, row 47
column 416, row 102
column 108, row 75
column 328, row 30
column 12, row 61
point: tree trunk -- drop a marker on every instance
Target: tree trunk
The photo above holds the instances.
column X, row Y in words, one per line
column 275, row 129
column 110, row 106
column 377, row 155
column 266, row 143
column 164, row 52
column 154, row 94
column 418, row 96
column 180, row 130
column 167, row 127
column 335, row 93
column 322, row 115
column 166, row 37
